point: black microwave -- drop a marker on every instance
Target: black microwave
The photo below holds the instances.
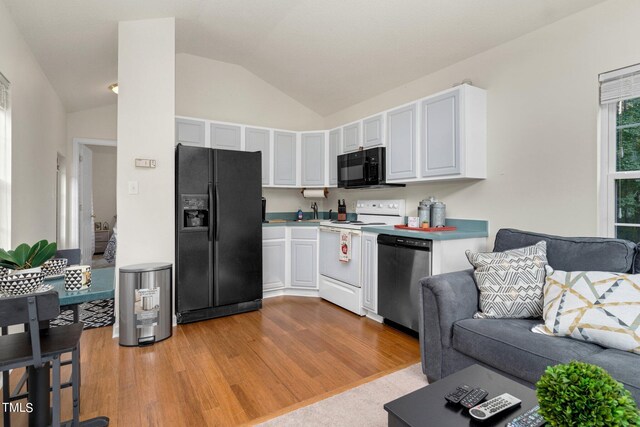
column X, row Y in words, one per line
column 362, row 168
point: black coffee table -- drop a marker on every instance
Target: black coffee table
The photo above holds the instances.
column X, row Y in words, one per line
column 427, row 406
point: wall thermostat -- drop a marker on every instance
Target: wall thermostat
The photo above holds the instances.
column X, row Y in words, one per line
column 145, row 163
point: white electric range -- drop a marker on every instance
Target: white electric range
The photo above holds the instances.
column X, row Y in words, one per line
column 341, row 282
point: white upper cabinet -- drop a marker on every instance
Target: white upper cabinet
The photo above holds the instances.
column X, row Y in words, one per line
column 190, row 132
column 284, row 162
column 454, row 134
column 313, row 158
column 401, row 143
column 258, row 140
column 351, row 137
column 334, row 151
column 224, row 136
column 372, row 131
column 439, row 137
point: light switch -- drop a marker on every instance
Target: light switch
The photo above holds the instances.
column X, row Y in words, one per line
column 133, row 187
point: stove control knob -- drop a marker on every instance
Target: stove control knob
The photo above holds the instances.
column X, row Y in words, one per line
column 381, row 206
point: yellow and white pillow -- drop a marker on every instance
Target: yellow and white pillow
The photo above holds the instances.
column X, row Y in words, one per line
column 593, row 306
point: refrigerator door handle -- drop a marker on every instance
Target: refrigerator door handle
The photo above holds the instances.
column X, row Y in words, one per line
column 210, row 210
column 217, row 214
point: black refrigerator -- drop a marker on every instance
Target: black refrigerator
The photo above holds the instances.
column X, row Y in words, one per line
column 218, row 233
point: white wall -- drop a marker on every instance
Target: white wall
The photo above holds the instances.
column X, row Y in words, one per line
column 221, row 91
column 95, row 123
column 38, row 133
column 287, row 200
column 104, row 183
column 218, row 90
column 542, row 122
column 146, row 112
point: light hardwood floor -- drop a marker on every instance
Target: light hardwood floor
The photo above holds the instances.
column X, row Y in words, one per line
column 236, row 369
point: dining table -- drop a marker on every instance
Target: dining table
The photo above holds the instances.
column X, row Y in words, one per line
column 102, row 287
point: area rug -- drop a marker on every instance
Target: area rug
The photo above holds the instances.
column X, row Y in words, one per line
column 94, row 314
column 359, row 406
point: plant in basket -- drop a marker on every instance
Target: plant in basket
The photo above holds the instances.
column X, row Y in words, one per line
column 23, row 264
column 581, row 394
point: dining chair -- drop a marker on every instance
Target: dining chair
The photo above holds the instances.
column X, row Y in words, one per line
column 38, row 346
column 73, row 256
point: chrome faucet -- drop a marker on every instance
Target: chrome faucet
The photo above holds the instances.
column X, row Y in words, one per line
column 314, row 206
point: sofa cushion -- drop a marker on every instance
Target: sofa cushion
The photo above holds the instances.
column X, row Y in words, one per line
column 509, row 345
column 510, row 282
column 621, row 365
column 636, row 264
column 595, row 306
column 574, row 253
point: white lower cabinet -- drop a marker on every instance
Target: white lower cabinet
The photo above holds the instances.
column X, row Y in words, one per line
column 304, row 258
column 370, row 272
column 273, row 258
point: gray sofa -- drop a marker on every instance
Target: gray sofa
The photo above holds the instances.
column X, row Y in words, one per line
column 451, row 339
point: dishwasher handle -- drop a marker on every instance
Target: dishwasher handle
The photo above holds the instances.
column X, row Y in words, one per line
column 406, row 242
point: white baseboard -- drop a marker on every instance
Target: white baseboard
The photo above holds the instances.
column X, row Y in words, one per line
column 292, row 292
column 373, row 316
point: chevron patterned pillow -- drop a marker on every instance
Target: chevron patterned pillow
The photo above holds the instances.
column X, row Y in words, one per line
column 594, row 306
column 510, row 282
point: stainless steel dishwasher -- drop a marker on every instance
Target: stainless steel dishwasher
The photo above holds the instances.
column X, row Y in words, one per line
column 402, row 262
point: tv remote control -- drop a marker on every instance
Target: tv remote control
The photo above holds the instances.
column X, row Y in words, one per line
column 531, row 418
column 474, row 397
column 493, row 406
column 461, row 391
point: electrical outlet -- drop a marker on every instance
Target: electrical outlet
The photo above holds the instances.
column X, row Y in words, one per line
column 133, row 187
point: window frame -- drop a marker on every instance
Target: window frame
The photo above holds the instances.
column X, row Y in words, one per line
column 5, row 171
column 608, row 173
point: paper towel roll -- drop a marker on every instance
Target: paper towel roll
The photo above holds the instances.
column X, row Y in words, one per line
column 314, row 193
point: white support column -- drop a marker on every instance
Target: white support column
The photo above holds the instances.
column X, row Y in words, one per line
column 146, row 112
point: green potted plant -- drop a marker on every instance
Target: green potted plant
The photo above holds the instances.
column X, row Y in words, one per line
column 22, row 266
column 581, row 394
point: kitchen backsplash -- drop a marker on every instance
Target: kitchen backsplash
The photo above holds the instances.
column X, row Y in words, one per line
column 293, row 215
column 451, row 193
column 288, row 200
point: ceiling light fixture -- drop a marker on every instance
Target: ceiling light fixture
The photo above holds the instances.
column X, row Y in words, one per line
column 114, row 88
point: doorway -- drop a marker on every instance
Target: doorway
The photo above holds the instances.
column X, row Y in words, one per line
column 61, row 200
column 94, row 199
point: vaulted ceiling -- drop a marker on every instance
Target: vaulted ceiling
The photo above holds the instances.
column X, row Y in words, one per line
column 327, row 54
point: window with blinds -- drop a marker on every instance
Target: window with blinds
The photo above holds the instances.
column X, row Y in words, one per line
column 620, row 183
